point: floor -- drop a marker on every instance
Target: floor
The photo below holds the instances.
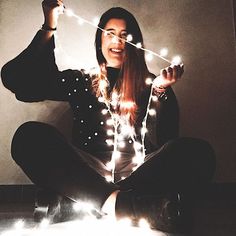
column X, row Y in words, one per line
column 216, row 215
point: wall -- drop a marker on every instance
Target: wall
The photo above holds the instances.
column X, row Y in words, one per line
column 202, row 32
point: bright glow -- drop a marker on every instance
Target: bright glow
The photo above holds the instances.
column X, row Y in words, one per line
column 129, row 38
column 125, row 222
column 144, row 130
column 116, row 155
column 127, row 105
column 164, row 52
column 77, row 206
column 108, row 178
column 152, row 112
column 110, row 122
column 143, row 224
column 148, row 81
column 19, row 224
column 149, row 56
column 154, row 98
column 96, row 21
column 109, row 142
column 127, row 130
column 176, row 60
column 69, row 12
column 114, row 99
column 44, row 223
column 138, row 45
column 83, row 206
column 110, row 132
column 102, row 84
column 137, row 145
column 138, row 160
column 110, row 165
column 158, row 81
column 101, row 99
column 104, row 111
column 121, row 144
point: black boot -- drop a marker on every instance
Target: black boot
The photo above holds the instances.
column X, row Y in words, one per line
column 166, row 212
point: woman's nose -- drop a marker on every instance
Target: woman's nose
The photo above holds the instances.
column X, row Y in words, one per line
column 116, row 39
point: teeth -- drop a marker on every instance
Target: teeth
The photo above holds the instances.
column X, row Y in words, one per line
column 116, row 50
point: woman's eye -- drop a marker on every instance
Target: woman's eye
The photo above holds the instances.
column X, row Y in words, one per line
column 110, row 33
column 123, row 36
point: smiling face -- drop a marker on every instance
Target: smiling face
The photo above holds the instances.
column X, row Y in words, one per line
column 112, row 47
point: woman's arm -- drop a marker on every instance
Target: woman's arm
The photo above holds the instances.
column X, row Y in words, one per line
column 167, row 120
column 33, row 75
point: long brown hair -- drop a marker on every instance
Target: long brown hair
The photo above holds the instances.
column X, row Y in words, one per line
column 134, row 70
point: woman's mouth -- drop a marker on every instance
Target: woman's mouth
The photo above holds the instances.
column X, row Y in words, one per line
column 116, row 50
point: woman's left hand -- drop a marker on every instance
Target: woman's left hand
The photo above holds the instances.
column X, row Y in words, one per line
column 168, row 77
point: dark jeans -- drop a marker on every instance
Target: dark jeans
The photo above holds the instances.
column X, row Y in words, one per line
column 51, row 162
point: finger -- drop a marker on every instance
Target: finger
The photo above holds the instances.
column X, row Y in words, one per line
column 52, row 3
column 181, row 69
column 176, row 72
column 164, row 73
column 169, row 73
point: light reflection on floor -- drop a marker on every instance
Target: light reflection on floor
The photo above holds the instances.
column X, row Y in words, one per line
column 89, row 227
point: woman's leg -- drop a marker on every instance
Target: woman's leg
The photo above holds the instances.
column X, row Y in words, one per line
column 52, row 163
column 183, row 163
column 163, row 187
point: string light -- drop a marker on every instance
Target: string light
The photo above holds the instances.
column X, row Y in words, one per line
column 163, row 53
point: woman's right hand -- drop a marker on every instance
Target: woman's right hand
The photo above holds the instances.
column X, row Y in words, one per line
column 51, row 10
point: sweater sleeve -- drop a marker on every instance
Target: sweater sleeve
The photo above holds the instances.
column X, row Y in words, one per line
column 34, row 76
column 167, row 123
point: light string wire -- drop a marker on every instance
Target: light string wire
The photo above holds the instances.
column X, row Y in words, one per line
column 128, row 40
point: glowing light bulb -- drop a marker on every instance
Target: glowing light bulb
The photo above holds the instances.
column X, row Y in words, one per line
column 110, row 122
column 126, row 130
column 19, row 224
column 108, row 178
column 164, row 52
column 144, row 130
column 137, row 145
column 44, row 223
column 154, row 98
column 149, row 56
column 110, row 165
column 102, row 84
column 152, row 112
column 110, row 132
column 77, row 207
column 129, row 38
column 109, row 142
column 116, row 155
column 144, row 224
column 176, row 60
column 121, row 144
column 104, row 111
column 148, row 81
column 101, row 99
column 138, row 45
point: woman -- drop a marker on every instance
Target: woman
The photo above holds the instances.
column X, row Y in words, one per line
column 110, row 114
